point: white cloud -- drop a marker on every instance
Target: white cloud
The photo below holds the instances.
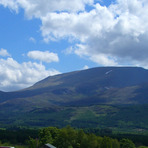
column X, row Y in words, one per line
column 44, row 56
column 105, row 35
column 11, row 4
column 85, row 67
column 14, row 75
column 4, row 53
column 38, row 8
column 103, row 59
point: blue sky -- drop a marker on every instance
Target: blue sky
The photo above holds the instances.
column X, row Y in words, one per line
column 44, row 37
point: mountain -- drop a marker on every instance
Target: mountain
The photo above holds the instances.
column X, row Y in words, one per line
column 88, row 96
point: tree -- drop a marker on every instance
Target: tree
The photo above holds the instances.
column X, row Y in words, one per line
column 115, row 143
column 126, row 143
column 80, row 137
column 54, row 133
column 33, row 143
column 66, row 138
column 45, row 136
column 92, row 141
column 106, row 143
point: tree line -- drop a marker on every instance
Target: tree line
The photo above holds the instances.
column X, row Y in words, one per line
column 69, row 137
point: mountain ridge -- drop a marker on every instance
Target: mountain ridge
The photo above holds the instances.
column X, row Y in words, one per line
column 85, row 82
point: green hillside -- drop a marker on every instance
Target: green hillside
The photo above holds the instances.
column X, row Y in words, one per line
column 106, row 97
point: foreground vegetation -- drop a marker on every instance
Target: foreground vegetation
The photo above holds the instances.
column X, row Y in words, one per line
column 69, row 137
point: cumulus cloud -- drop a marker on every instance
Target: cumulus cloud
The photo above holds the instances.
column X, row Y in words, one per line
column 14, row 75
column 11, row 4
column 4, row 53
column 40, row 8
column 107, row 35
column 44, row 56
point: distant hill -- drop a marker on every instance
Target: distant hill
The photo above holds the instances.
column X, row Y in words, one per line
column 67, row 97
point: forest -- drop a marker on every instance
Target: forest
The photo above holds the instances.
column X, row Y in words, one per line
column 69, row 137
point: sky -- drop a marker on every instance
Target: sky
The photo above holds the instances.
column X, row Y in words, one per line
column 41, row 38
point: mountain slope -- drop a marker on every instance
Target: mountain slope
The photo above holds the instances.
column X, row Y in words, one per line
column 109, row 85
column 66, row 95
